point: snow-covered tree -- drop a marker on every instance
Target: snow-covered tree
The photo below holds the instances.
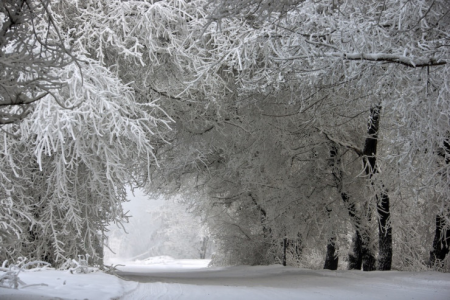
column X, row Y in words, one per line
column 300, row 123
column 65, row 166
column 77, row 162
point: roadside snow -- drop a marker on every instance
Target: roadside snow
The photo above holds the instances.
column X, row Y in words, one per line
column 167, row 278
column 64, row 285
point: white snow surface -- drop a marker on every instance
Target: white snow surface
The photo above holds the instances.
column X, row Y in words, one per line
column 64, row 285
column 168, row 278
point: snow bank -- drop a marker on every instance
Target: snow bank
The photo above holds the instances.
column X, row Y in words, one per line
column 64, row 285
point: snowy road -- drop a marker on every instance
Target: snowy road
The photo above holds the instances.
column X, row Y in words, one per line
column 166, row 278
column 178, row 281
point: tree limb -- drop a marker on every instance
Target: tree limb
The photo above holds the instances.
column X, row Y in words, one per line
column 358, row 151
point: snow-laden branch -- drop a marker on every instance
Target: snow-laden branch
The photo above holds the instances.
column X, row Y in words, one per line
column 392, row 58
column 379, row 57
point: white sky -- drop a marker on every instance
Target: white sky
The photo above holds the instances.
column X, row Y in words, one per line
column 145, row 235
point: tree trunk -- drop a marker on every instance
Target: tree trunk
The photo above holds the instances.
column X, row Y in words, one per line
column 367, row 251
column 331, row 259
column 384, row 226
column 385, row 234
column 204, row 247
column 368, row 257
column 267, row 232
column 355, row 254
column 361, row 254
column 98, row 248
column 441, row 242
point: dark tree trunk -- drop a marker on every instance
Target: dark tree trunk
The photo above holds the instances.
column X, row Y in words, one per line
column 355, row 254
column 368, row 253
column 385, row 234
column 285, row 244
column 331, row 259
column 368, row 257
column 384, row 226
column 371, row 143
column 361, row 253
column 441, row 242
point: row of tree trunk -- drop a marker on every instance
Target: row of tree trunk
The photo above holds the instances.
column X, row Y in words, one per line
column 361, row 254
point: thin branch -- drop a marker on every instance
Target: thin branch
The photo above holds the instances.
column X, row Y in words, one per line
column 358, row 151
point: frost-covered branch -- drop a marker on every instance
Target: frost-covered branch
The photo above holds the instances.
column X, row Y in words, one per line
column 31, row 50
column 381, row 57
column 390, row 58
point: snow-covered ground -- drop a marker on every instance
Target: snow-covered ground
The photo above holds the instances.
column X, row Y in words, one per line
column 64, row 285
column 167, row 278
